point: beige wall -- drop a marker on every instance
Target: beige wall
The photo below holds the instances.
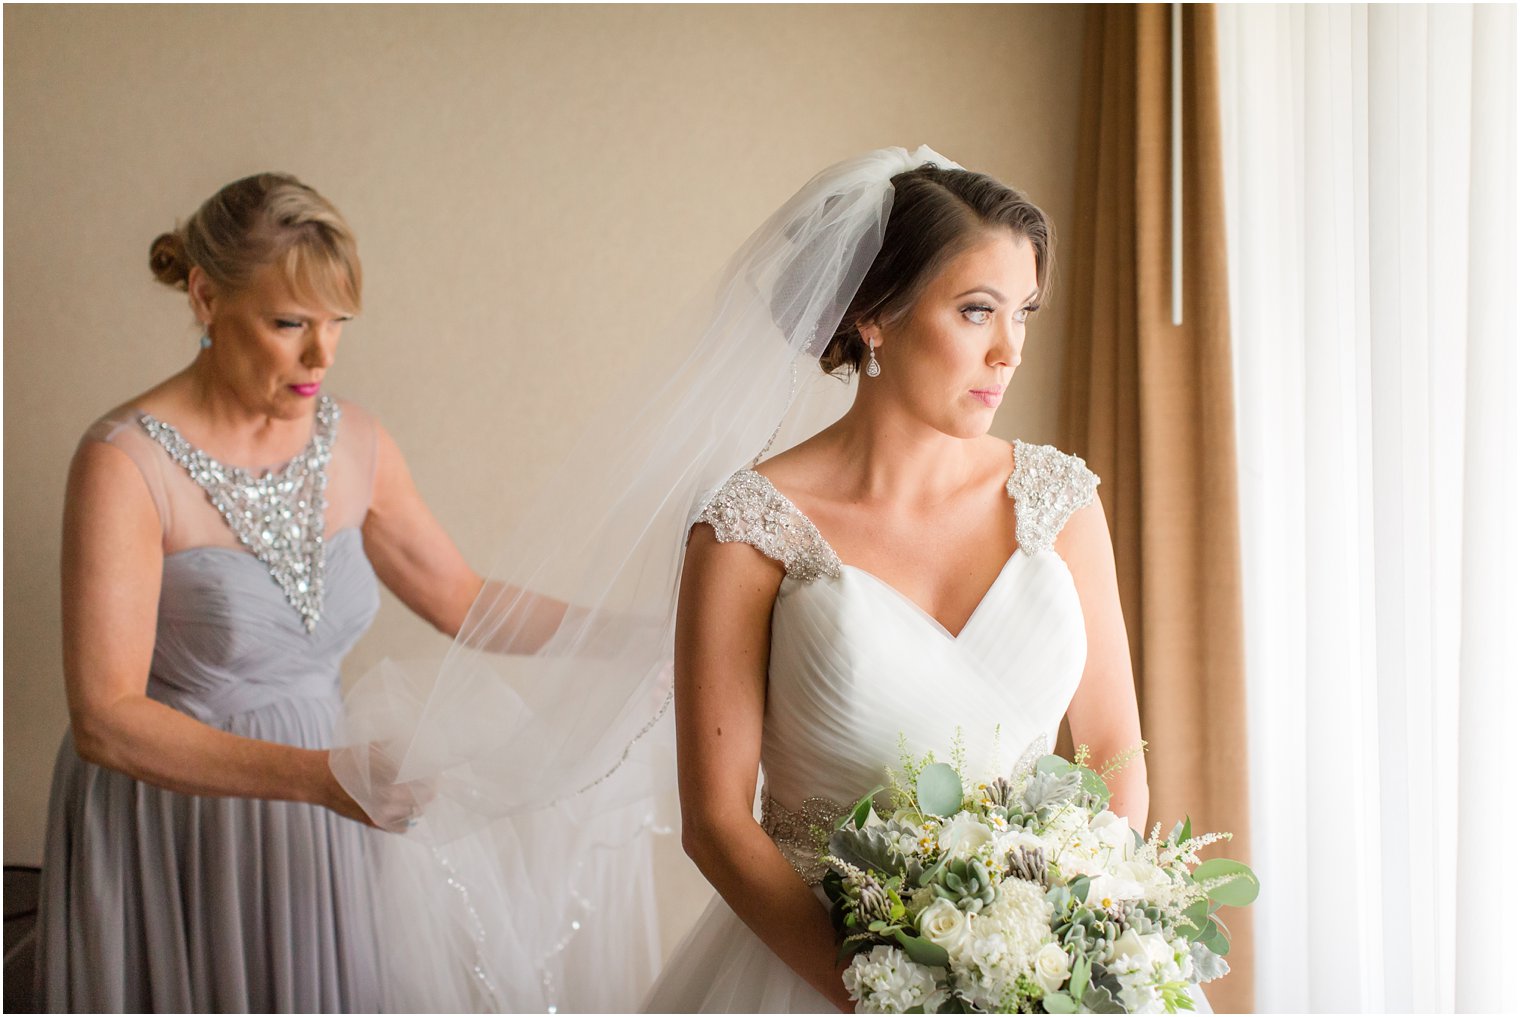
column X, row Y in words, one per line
column 533, row 188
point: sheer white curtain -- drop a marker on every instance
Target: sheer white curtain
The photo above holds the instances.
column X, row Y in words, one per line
column 1369, row 156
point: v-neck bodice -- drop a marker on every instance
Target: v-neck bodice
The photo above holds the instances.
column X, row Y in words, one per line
column 859, row 672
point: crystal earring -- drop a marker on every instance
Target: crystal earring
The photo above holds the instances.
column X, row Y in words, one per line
column 205, row 340
column 873, row 369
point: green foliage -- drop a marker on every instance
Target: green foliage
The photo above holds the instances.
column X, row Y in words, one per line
column 1100, row 999
column 1195, row 917
column 1081, row 971
column 1242, row 887
column 921, row 951
column 1059, row 1002
column 1174, row 996
column 862, row 810
column 965, row 883
column 939, row 790
column 1214, row 939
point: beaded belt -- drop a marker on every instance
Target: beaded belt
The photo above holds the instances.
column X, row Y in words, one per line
column 801, row 835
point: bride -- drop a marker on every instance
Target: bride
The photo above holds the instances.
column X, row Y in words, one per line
column 899, row 573
column 894, row 572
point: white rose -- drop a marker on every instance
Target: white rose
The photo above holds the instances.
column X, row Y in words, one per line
column 944, row 924
column 1051, row 966
column 963, row 836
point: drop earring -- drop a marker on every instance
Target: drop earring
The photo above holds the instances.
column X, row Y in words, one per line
column 873, row 369
column 205, row 340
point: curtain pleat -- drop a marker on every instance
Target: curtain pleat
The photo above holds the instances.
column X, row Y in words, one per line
column 1150, row 405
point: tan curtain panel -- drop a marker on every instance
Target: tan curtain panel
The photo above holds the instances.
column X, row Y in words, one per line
column 1150, row 405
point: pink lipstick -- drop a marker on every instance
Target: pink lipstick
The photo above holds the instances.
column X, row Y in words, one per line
column 307, row 391
column 989, row 397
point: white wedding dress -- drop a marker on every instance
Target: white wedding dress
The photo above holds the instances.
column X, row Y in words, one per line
column 855, row 666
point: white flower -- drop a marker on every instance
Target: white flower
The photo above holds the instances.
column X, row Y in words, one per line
column 1148, row 954
column 1105, row 891
column 1087, row 846
column 884, row 980
column 1051, row 966
column 1139, row 997
column 1022, row 913
column 1155, row 884
column 1113, row 834
column 944, row 924
column 994, row 963
column 963, row 835
column 1017, row 837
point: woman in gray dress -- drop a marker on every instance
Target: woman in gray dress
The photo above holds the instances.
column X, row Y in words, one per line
column 223, row 534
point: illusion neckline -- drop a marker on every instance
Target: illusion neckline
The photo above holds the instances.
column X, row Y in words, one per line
column 324, row 402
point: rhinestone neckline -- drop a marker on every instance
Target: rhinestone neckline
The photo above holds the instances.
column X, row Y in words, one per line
column 279, row 516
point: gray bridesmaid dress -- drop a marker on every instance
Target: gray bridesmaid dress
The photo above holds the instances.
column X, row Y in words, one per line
column 158, row 901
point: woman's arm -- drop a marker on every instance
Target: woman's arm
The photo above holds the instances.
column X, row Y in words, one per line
column 1104, row 714
column 112, row 564
column 722, row 655
column 417, row 561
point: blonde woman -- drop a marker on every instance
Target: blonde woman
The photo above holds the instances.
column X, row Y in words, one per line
column 223, row 537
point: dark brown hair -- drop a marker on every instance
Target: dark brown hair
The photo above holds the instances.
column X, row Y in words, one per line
column 268, row 218
column 936, row 214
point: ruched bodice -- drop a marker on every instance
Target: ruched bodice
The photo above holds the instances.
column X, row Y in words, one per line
column 229, row 643
column 856, row 666
column 860, row 674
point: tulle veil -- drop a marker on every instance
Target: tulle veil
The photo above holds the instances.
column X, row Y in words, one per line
column 527, row 884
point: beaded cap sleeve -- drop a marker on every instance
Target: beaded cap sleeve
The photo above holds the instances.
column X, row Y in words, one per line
column 1047, row 486
column 748, row 509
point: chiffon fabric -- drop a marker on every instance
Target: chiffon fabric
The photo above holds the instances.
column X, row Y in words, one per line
column 157, row 901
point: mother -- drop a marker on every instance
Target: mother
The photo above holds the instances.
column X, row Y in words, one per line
column 223, row 533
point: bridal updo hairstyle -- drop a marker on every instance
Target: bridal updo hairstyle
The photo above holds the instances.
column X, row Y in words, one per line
column 265, row 219
column 936, row 214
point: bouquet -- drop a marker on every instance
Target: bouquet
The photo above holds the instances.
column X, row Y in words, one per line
column 1024, row 894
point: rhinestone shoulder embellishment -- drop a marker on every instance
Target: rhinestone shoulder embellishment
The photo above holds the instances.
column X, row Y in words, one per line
column 749, row 509
column 803, row 834
column 1047, row 486
column 280, row 517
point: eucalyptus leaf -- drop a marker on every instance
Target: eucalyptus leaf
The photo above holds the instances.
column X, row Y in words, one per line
column 921, row 951
column 1215, row 940
column 939, row 790
column 1240, row 891
column 1053, row 765
column 1196, row 915
column 1093, row 784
